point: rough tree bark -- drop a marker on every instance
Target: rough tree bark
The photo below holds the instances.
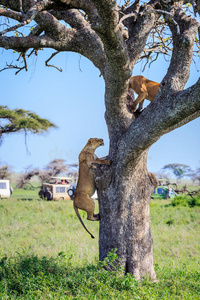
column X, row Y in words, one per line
column 114, row 38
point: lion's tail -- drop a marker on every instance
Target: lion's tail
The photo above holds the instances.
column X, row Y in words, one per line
column 78, row 215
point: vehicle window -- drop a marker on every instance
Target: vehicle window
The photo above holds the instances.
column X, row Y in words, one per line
column 160, row 191
column 60, row 189
column 3, row 185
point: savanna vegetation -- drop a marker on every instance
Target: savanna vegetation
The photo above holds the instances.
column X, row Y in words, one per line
column 46, row 254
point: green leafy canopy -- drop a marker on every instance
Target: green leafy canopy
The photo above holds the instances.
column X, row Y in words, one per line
column 19, row 119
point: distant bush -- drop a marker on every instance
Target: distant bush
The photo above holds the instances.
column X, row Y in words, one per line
column 186, row 201
column 194, row 201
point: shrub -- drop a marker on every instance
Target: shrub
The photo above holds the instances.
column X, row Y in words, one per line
column 186, row 201
column 179, row 200
column 194, row 201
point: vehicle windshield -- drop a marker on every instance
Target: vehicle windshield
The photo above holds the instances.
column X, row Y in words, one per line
column 160, row 191
column 3, row 185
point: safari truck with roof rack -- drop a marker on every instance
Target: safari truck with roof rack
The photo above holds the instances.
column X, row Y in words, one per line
column 56, row 188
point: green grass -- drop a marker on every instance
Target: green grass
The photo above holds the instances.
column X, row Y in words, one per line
column 46, row 254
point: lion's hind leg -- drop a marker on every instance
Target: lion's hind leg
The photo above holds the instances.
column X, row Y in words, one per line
column 95, row 217
column 84, row 202
column 90, row 212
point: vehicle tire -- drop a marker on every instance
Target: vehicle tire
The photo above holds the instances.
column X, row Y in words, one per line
column 41, row 194
column 71, row 193
column 49, row 196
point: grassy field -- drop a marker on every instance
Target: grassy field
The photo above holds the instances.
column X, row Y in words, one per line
column 46, row 254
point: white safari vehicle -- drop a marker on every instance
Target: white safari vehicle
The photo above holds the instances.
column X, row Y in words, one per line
column 56, row 188
column 5, row 188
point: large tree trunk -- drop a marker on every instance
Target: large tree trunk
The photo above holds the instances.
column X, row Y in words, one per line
column 124, row 204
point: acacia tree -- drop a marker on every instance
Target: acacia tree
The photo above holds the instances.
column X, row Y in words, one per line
column 18, row 120
column 179, row 170
column 114, row 38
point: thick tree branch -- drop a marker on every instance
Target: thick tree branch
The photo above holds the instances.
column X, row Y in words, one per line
column 139, row 27
column 179, row 69
column 72, row 17
column 161, row 116
column 10, row 14
column 26, row 18
column 74, row 41
column 85, row 5
column 83, row 40
column 76, row 20
column 156, row 11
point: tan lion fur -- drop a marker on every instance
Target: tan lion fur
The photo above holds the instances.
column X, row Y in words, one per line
column 86, row 184
column 146, row 89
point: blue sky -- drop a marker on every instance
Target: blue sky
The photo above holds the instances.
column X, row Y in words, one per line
column 74, row 101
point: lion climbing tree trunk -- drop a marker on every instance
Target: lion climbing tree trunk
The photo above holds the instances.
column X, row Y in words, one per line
column 125, row 217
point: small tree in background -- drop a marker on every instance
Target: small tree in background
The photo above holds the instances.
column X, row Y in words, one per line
column 179, row 170
column 54, row 168
column 5, row 172
column 195, row 175
column 24, row 179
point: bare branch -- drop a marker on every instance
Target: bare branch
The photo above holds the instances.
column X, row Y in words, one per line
column 29, row 16
column 46, row 62
column 15, row 27
column 10, row 14
column 156, row 11
column 139, row 32
column 20, row 6
column 179, row 69
column 11, row 66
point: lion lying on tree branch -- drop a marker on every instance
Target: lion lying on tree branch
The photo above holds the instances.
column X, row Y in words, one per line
column 86, row 184
column 146, row 89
